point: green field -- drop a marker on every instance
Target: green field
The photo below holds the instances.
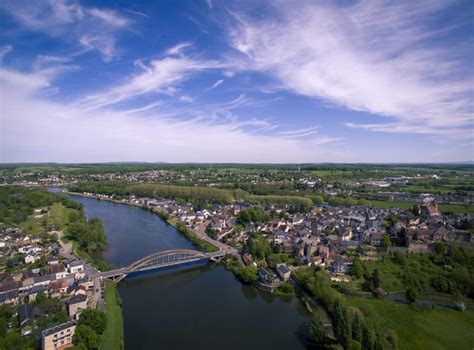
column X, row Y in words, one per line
column 112, row 338
column 433, row 329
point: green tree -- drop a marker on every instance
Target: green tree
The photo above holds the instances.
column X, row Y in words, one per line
column 411, row 295
column 368, row 338
column 386, row 242
column 316, row 331
column 342, row 324
column 3, row 327
column 86, row 336
column 94, row 319
column 357, row 268
column 376, row 278
column 357, row 325
column 247, row 274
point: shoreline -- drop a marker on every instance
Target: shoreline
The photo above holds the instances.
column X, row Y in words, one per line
column 195, row 239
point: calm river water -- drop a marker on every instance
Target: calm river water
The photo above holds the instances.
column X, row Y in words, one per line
column 200, row 308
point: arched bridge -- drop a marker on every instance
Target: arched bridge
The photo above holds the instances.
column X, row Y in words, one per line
column 159, row 260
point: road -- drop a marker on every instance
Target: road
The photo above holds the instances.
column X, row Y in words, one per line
column 201, row 232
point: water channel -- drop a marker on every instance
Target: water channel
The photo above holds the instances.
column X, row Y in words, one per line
column 200, row 308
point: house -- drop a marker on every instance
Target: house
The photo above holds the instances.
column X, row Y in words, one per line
column 58, row 337
column 376, row 239
column 283, row 272
column 52, row 260
column 25, row 314
column 430, row 211
column 76, row 304
column 29, row 259
column 338, row 266
column 10, row 297
column 264, row 275
column 75, row 266
column 247, row 258
column 57, row 270
column 279, row 237
column 33, row 293
column 58, row 288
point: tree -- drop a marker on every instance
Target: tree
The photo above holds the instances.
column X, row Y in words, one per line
column 357, row 268
column 376, row 278
column 411, row 295
column 247, row 274
column 342, row 324
column 386, row 242
column 368, row 338
column 94, row 319
column 86, row 336
column 357, row 326
column 3, row 327
column 316, row 331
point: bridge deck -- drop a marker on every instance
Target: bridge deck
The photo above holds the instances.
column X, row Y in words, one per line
column 161, row 259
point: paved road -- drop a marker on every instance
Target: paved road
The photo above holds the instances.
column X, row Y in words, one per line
column 201, row 232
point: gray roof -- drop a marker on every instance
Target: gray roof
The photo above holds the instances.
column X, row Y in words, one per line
column 79, row 298
column 37, row 289
column 25, row 312
column 58, row 328
column 283, row 269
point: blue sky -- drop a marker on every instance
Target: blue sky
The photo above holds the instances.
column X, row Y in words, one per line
column 243, row 81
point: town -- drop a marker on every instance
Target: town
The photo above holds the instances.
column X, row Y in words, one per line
column 47, row 284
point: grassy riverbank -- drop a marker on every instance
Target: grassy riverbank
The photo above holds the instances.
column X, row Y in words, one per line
column 416, row 329
column 195, row 240
column 112, row 338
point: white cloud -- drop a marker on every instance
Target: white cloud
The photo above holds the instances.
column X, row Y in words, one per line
column 178, row 49
column 4, row 50
column 138, row 13
column 186, row 98
column 92, row 28
column 110, row 17
column 385, row 58
column 216, row 84
column 61, row 132
column 159, row 76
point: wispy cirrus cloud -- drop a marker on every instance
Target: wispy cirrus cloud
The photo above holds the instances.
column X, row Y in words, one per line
column 90, row 27
column 216, row 84
column 75, row 134
column 4, row 50
column 385, row 58
column 157, row 76
column 178, row 48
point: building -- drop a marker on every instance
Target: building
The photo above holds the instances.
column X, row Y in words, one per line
column 25, row 314
column 58, row 337
column 76, row 267
column 29, row 259
column 283, row 272
column 76, row 304
column 265, row 275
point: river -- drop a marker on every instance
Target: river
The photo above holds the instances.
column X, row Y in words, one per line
column 202, row 307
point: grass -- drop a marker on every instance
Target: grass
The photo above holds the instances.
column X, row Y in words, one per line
column 195, row 239
column 112, row 338
column 432, row 329
column 55, row 218
column 32, row 225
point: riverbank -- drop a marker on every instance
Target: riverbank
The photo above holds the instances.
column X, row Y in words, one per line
column 179, row 226
column 112, row 338
column 189, row 234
